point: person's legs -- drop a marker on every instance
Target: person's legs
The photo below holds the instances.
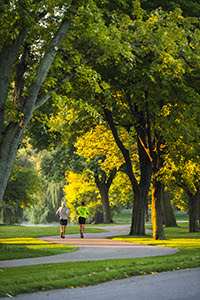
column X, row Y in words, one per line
column 64, row 228
column 61, row 230
column 82, row 225
column 81, row 230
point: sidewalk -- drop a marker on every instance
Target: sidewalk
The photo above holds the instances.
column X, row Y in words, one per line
column 94, row 246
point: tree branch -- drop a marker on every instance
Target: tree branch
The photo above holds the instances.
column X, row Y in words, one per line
column 125, row 152
column 43, row 97
column 8, row 57
column 43, row 69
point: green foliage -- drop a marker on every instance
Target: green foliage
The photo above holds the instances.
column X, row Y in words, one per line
column 50, row 200
column 22, row 190
column 81, row 187
column 22, row 186
column 11, row 213
column 189, row 7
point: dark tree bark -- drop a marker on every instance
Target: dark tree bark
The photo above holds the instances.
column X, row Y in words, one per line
column 157, row 163
column 193, row 211
column 145, row 178
column 140, row 190
column 103, row 185
column 8, row 56
column 199, row 211
column 158, row 232
column 169, row 219
column 107, row 216
column 11, row 135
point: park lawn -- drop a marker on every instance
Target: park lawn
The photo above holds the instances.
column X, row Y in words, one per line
column 126, row 216
column 16, row 248
column 176, row 237
column 36, row 231
column 30, row 279
column 19, row 241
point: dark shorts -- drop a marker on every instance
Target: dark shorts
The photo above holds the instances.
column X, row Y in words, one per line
column 81, row 220
column 63, row 222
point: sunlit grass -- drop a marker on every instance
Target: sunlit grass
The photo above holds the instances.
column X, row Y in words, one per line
column 19, row 242
column 16, row 248
column 176, row 237
column 172, row 243
column 23, row 241
column 25, row 231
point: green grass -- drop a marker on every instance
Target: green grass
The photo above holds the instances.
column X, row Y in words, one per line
column 26, row 231
column 182, row 216
column 125, row 216
column 29, row 247
column 30, row 279
column 19, row 242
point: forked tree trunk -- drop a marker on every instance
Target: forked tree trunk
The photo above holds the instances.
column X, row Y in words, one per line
column 140, row 191
column 103, row 184
column 10, row 136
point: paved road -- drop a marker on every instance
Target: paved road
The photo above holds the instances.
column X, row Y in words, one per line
column 177, row 285
column 95, row 246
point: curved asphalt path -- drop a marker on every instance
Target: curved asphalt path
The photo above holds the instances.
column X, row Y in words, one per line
column 177, row 285
column 94, row 246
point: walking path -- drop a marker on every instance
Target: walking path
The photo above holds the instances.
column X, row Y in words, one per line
column 94, row 246
column 175, row 285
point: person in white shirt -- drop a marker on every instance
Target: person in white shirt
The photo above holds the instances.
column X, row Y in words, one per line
column 63, row 212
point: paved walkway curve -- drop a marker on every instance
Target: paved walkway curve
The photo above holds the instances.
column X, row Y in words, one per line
column 94, row 246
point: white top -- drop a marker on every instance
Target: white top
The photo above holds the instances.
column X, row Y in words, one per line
column 63, row 212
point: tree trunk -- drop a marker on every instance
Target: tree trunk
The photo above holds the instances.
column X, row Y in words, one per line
column 107, row 215
column 193, row 212
column 199, row 211
column 141, row 195
column 8, row 56
column 158, row 232
column 168, row 214
column 103, row 183
column 138, row 215
column 8, row 151
column 140, row 191
column 10, row 137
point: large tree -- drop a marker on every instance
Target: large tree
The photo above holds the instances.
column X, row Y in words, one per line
column 37, row 56
column 104, row 160
column 145, row 86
